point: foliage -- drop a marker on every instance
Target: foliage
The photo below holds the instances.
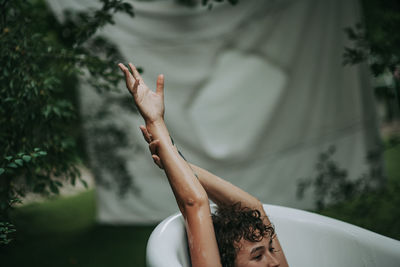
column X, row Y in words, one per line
column 370, row 201
column 377, row 210
column 377, row 42
column 5, row 229
column 40, row 57
column 332, row 185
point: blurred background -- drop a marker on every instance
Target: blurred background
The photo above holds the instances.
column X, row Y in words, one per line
column 296, row 102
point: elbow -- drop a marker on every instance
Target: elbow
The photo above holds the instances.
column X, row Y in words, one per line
column 196, row 201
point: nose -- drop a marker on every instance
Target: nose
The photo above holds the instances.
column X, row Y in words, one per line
column 273, row 261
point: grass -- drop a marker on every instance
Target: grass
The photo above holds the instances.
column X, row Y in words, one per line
column 63, row 232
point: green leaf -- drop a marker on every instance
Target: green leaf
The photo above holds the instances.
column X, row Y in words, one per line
column 9, row 99
column 12, row 165
column 8, row 158
column 36, row 149
column 42, row 153
column 56, row 110
column 19, row 162
column 26, row 158
column 47, row 111
column 2, row 171
column 36, row 35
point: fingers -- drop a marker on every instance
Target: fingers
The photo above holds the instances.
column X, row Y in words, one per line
column 160, row 84
column 135, row 85
column 153, row 146
column 147, row 136
column 157, row 161
column 131, row 83
column 125, row 70
column 135, row 73
column 132, row 86
column 122, row 67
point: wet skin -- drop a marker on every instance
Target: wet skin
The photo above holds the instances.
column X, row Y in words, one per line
column 192, row 192
column 257, row 254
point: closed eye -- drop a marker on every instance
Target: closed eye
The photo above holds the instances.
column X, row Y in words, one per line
column 258, row 257
column 258, row 252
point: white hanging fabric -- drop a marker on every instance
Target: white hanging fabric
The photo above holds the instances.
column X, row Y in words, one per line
column 253, row 92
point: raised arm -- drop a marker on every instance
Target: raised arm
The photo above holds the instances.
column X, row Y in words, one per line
column 189, row 194
column 223, row 192
column 219, row 190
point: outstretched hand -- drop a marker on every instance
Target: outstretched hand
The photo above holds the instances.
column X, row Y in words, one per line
column 153, row 146
column 149, row 103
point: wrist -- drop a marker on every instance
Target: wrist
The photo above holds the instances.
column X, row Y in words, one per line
column 158, row 130
column 155, row 123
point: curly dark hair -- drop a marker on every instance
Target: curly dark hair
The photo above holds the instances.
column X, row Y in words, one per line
column 231, row 224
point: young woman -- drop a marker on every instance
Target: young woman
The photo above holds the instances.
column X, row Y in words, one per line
column 240, row 233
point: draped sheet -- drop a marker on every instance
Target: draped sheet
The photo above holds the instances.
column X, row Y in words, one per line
column 253, row 93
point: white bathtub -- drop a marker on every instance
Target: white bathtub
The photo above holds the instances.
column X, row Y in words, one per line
column 308, row 239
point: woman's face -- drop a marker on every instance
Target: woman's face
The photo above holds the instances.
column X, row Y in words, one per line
column 252, row 254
